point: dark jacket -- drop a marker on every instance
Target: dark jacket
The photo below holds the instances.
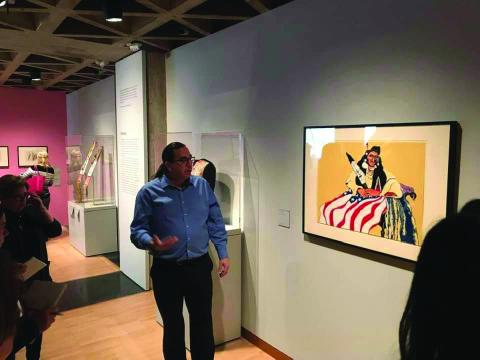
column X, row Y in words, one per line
column 28, row 234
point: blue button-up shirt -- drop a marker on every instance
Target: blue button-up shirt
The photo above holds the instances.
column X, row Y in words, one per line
column 192, row 214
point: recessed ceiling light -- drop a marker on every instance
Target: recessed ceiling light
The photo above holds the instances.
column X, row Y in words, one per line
column 113, row 10
column 36, row 75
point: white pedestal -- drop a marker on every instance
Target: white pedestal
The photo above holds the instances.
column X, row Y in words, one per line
column 227, row 299
column 92, row 228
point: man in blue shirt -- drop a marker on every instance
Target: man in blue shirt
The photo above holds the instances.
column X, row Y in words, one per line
column 176, row 214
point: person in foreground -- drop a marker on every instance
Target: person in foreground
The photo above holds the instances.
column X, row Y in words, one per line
column 9, row 288
column 15, row 331
column 29, row 225
column 176, row 215
column 442, row 314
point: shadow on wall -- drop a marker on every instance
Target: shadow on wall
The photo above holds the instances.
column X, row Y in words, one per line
column 250, row 243
column 224, row 189
column 360, row 252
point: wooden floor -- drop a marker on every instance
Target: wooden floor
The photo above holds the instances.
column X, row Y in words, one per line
column 123, row 328
column 66, row 263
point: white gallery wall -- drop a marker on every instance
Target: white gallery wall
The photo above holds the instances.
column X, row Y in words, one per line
column 91, row 110
column 315, row 62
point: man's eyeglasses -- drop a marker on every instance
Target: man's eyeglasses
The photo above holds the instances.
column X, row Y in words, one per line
column 184, row 160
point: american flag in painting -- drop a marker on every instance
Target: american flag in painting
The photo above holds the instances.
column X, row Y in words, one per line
column 353, row 212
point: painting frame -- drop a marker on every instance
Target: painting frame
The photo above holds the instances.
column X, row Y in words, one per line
column 26, row 155
column 4, row 157
column 442, row 141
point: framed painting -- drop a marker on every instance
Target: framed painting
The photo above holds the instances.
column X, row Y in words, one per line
column 27, row 155
column 4, row 157
column 382, row 186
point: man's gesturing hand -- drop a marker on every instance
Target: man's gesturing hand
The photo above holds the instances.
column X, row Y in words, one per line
column 163, row 244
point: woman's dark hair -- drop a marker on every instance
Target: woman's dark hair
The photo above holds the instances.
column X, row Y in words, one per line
column 471, row 208
column 10, row 183
column 9, row 288
column 442, row 310
column 168, row 154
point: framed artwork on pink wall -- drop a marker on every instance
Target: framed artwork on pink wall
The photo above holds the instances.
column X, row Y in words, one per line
column 27, row 155
column 4, row 157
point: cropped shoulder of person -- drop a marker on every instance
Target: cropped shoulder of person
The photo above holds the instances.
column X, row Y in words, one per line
column 442, row 309
column 9, row 314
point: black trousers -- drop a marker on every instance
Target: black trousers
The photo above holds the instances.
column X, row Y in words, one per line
column 192, row 281
column 33, row 350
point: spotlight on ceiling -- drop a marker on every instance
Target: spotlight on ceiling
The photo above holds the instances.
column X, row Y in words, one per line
column 7, row 2
column 36, row 75
column 113, row 10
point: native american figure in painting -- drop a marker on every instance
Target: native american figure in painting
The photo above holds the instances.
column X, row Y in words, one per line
column 373, row 197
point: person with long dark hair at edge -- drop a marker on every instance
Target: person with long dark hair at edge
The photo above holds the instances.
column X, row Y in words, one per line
column 176, row 215
column 29, row 226
column 442, row 314
column 44, row 169
column 471, row 208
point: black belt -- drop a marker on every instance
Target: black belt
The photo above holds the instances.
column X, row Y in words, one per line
column 173, row 262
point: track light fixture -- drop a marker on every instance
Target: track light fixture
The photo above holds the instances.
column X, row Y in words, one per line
column 113, row 10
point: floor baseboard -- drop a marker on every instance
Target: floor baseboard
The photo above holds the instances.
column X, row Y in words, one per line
column 269, row 349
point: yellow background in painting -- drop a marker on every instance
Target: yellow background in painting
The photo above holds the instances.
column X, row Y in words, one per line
column 405, row 160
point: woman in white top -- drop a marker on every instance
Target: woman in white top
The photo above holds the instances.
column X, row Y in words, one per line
column 46, row 170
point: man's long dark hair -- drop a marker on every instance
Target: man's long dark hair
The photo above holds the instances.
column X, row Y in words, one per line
column 168, row 154
column 443, row 307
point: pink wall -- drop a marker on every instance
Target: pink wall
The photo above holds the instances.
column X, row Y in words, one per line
column 35, row 117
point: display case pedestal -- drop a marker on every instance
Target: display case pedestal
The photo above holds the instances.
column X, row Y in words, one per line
column 227, row 299
column 92, row 228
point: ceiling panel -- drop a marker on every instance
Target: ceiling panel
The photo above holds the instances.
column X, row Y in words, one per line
column 68, row 40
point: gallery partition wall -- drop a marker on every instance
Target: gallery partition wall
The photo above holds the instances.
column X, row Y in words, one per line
column 317, row 63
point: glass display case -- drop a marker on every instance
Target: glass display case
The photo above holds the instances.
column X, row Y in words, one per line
column 91, row 169
column 225, row 150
